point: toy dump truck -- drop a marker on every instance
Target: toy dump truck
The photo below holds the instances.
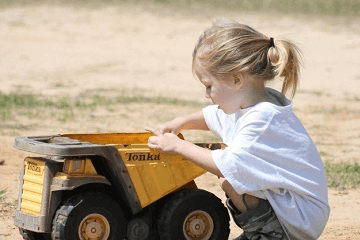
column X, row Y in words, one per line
column 112, row 186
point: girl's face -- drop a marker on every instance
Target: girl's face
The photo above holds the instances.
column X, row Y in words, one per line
column 225, row 95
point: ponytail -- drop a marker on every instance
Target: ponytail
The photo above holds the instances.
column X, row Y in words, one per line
column 284, row 59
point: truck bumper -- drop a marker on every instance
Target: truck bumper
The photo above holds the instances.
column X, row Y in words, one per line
column 30, row 222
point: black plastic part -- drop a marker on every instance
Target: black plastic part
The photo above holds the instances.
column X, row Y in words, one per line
column 30, row 235
column 69, row 216
column 138, row 229
column 174, row 213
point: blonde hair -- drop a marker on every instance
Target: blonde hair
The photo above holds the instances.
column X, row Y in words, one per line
column 229, row 48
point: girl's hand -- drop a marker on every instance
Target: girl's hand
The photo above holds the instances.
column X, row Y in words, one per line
column 192, row 121
column 173, row 126
column 163, row 142
column 170, row 143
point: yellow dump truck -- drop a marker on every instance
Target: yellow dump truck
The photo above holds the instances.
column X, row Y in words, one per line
column 112, row 186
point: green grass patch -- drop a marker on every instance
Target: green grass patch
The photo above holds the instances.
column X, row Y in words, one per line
column 18, row 100
column 342, row 175
column 64, row 108
column 322, row 7
column 121, row 99
column 6, row 208
column 2, row 193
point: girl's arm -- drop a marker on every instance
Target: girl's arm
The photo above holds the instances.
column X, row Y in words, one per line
column 192, row 121
column 198, row 155
column 171, row 144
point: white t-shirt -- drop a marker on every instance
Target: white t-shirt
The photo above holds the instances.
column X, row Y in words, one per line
column 271, row 156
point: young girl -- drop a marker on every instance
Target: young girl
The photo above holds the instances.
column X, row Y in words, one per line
column 271, row 170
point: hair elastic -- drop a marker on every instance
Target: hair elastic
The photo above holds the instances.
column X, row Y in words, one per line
column 272, row 44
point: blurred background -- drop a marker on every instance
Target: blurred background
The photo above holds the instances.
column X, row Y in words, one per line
column 71, row 66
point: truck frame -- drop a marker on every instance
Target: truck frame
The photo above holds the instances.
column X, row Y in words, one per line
column 112, row 186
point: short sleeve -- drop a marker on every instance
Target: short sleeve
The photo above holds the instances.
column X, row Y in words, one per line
column 214, row 119
column 245, row 171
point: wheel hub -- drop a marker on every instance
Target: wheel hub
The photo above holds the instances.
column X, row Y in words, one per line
column 138, row 229
column 94, row 227
column 198, row 225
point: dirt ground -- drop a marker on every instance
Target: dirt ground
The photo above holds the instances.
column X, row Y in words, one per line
column 65, row 51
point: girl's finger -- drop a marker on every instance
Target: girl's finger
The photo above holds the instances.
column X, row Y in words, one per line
column 163, row 130
column 153, row 146
column 153, row 140
column 155, row 132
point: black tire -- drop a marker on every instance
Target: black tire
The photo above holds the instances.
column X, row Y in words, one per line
column 93, row 215
column 138, row 229
column 30, row 235
column 194, row 214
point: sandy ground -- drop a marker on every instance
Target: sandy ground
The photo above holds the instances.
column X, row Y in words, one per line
column 65, row 51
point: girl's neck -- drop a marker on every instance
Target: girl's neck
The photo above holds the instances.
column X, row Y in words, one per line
column 253, row 95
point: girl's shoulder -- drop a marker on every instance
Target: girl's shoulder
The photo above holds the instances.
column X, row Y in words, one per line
column 267, row 111
column 278, row 106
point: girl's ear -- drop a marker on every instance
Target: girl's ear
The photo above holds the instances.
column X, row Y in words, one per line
column 238, row 81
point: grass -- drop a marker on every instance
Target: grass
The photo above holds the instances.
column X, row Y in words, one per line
column 2, row 192
column 6, row 208
column 342, row 176
column 14, row 99
column 29, row 100
column 63, row 108
column 315, row 93
column 322, row 7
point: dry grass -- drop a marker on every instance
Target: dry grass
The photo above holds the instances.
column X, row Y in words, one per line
column 309, row 7
column 7, row 209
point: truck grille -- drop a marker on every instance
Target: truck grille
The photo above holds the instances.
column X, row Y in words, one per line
column 33, row 181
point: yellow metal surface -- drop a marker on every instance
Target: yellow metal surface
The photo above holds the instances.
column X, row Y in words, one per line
column 155, row 174
column 112, row 138
column 78, row 168
column 32, row 186
column 152, row 173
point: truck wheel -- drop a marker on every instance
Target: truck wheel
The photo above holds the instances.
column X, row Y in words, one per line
column 30, row 235
column 194, row 214
column 138, row 229
column 89, row 216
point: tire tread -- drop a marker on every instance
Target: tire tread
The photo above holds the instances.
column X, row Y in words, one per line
column 175, row 202
column 64, row 211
